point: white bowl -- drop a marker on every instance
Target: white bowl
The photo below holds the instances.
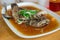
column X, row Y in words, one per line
column 37, row 6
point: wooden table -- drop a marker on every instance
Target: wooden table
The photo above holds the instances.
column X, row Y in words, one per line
column 7, row 34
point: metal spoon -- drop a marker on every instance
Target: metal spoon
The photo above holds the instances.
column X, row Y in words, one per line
column 5, row 15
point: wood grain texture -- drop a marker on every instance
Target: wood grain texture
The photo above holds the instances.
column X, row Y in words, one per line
column 7, row 34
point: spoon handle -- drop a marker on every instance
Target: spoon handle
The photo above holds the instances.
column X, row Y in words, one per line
column 5, row 5
column 18, row 1
column 5, row 15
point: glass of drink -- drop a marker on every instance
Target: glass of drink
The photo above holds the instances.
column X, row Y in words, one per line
column 54, row 5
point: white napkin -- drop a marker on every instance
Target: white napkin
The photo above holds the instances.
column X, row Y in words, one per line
column 7, row 1
column 30, row 0
column 44, row 3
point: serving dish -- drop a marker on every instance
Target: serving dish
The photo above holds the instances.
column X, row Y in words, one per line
column 37, row 6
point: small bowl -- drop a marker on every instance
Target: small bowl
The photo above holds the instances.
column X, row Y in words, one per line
column 37, row 6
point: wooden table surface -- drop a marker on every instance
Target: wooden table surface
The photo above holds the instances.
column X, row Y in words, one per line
column 7, row 34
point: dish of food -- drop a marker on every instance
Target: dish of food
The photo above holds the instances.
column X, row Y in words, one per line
column 30, row 20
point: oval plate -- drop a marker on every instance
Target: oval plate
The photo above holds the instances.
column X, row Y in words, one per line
column 37, row 6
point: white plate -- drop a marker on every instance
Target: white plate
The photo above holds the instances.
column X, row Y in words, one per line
column 37, row 6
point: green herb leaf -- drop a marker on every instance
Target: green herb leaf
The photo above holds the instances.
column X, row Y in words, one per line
column 27, row 13
column 33, row 12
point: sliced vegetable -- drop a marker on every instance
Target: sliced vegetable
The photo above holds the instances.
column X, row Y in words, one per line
column 33, row 12
column 27, row 13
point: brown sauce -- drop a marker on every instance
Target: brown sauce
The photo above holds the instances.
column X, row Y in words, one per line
column 29, row 30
